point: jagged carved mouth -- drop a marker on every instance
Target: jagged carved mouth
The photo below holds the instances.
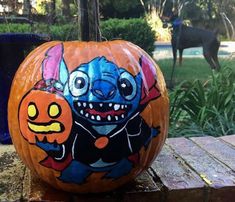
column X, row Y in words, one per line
column 46, row 128
column 102, row 111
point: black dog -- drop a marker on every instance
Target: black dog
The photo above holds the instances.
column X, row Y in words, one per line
column 186, row 37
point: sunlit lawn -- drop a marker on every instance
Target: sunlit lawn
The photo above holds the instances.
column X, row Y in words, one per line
column 191, row 69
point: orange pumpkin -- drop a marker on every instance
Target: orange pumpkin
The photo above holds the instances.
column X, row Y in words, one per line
column 44, row 115
column 91, row 115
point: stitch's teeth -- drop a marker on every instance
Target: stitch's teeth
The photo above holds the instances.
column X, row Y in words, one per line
column 83, row 109
column 91, row 106
column 98, row 118
column 116, row 107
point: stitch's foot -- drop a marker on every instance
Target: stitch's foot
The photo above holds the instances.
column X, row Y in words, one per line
column 76, row 173
column 119, row 170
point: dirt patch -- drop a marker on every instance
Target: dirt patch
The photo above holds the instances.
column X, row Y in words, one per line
column 11, row 174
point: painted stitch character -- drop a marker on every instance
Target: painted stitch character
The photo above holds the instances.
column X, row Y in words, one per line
column 107, row 130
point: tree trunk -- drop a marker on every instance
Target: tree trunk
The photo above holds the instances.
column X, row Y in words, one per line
column 88, row 20
column 66, row 9
column 27, row 8
column 209, row 9
column 52, row 13
column 225, row 25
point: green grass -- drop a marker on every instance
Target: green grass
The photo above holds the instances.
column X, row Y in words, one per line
column 202, row 101
column 191, row 69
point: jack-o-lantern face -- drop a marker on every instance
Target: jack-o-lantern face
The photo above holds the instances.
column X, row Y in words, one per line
column 45, row 116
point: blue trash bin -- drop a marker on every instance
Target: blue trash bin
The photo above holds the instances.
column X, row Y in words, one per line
column 13, row 48
column 4, row 133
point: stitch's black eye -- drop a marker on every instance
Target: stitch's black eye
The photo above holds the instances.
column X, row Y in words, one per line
column 78, row 83
column 127, row 86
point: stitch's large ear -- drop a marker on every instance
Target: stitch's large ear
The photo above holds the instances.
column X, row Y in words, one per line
column 149, row 90
column 53, row 66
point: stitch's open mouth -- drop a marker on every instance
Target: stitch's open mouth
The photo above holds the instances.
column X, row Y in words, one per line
column 102, row 111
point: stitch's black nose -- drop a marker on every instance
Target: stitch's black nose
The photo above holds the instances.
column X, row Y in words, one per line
column 104, row 89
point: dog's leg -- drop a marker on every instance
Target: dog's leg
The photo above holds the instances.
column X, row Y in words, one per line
column 180, row 56
column 214, row 51
column 174, row 55
column 216, row 61
column 208, row 57
column 174, row 50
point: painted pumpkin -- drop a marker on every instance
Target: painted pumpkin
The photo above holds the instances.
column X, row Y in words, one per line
column 91, row 115
column 45, row 116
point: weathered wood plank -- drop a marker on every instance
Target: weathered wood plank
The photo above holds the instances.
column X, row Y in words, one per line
column 182, row 183
column 218, row 149
column 223, row 194
column 40, row 191
column 186, row 170
column 143, row 188
column 219, row 177
column 11, row 174
column 214, row 173
column 229, row 139
column 140, row 189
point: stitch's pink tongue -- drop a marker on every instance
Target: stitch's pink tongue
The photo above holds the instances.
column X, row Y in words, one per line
column 105, row 114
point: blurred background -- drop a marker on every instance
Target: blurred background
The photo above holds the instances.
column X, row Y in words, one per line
column 202, row 100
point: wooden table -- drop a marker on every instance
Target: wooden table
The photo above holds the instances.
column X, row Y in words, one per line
column 186, row 170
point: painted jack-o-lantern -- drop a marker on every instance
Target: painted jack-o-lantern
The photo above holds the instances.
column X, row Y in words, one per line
column 91, row 116
column 45, row 116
